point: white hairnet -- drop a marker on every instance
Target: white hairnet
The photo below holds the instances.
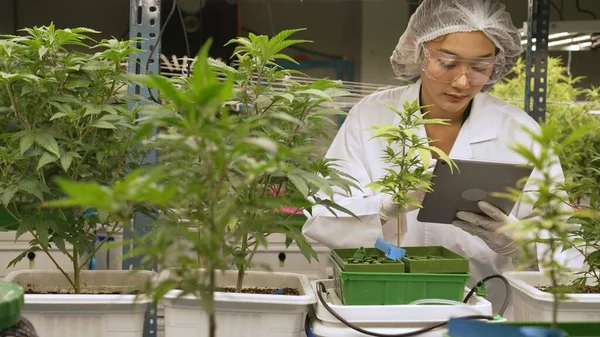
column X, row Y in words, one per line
column 435, row 18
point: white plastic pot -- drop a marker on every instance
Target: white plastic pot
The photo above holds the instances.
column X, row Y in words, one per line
column 533, row 305
column 243, row 314
column 9, row 249
column 293, row 260
column 84, row 315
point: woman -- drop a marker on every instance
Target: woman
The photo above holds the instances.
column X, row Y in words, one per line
column 454, row 51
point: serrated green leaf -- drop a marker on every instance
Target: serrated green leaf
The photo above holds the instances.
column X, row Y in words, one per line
column 41, row 229
column 315, row 92
column 103, row 125
column 58, row 115
column 287, row 96
column 26, row 143
column 299, row 183
column 66, row 160
column 32, row 187
column 8, row 194
column 92, row 110
column 46, row 159
column 42, row 51
column 48, row 142
column 59, row 242
column 26, row 225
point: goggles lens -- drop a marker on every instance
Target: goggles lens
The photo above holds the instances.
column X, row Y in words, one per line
column 447, row 68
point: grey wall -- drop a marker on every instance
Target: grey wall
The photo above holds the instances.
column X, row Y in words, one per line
column 334, row 26
column 6, row 16
column 383, row 23
column 111, row 17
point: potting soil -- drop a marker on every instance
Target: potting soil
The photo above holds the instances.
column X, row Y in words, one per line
column 570, row 289
column 85, row 290
column 266, row 291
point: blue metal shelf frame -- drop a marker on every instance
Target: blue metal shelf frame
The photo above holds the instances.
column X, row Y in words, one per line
column 538, row 27
column 144, row 23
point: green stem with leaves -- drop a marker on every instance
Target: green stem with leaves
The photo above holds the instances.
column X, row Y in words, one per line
column 13, row 101
column 47, row 252
column 242, row 266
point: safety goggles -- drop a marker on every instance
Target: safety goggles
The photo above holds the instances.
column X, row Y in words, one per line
column 447, row 68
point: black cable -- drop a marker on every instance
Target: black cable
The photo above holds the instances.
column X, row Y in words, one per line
column 578, row 5
column 560, row 13
column 185, row 37
column 155, row 45
column 321, row 288
column 506, row 298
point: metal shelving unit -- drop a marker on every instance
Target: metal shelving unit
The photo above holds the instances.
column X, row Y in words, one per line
column 144, row 23
column 538, row 26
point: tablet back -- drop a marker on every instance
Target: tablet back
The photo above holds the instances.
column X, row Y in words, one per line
column 462, row 189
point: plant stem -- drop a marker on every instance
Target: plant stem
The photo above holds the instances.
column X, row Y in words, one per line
column 212, row 321
column 76, row 271
column 242, row 269
column 45, row 250
column 254, row 249
column 110, row 233
column 13, row 101
column 554, row 285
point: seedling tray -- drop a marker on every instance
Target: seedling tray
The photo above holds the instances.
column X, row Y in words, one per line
column 375, row 263
column 378, row 288
column 434, row 259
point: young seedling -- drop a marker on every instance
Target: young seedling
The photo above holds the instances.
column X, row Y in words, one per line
column 408, row 156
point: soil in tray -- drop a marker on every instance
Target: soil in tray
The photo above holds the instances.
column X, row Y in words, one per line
column 37, row 290
column 374, row 259
column 570, row 289
column 266, row 291
column 429, row 257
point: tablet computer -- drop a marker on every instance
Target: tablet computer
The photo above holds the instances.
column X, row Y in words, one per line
column 462, row 189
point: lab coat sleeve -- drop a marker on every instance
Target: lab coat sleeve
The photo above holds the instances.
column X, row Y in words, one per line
column 346, row 231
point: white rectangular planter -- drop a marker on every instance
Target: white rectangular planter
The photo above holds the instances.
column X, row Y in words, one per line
column 243, row 314
column 294, row 261
column 387, row 319
column 84, row 315
column 533, row 305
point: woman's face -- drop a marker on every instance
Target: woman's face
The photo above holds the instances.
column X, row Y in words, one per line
column 457, row 67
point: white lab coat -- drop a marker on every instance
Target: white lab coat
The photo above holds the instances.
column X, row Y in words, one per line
column 491, row 128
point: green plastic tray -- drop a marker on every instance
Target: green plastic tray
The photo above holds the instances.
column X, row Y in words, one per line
column 341, row 256
column 434, row 259
column 356, row 288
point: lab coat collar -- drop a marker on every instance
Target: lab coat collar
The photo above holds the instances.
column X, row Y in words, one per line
column 479, row 127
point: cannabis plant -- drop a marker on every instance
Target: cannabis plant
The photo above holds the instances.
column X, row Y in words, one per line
column 297, row 117
column 408, row 157
column 237, row 145
column 551, row 226
column 63, row 115
column 568, row 109
column 588, row 232
column 567, row 113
